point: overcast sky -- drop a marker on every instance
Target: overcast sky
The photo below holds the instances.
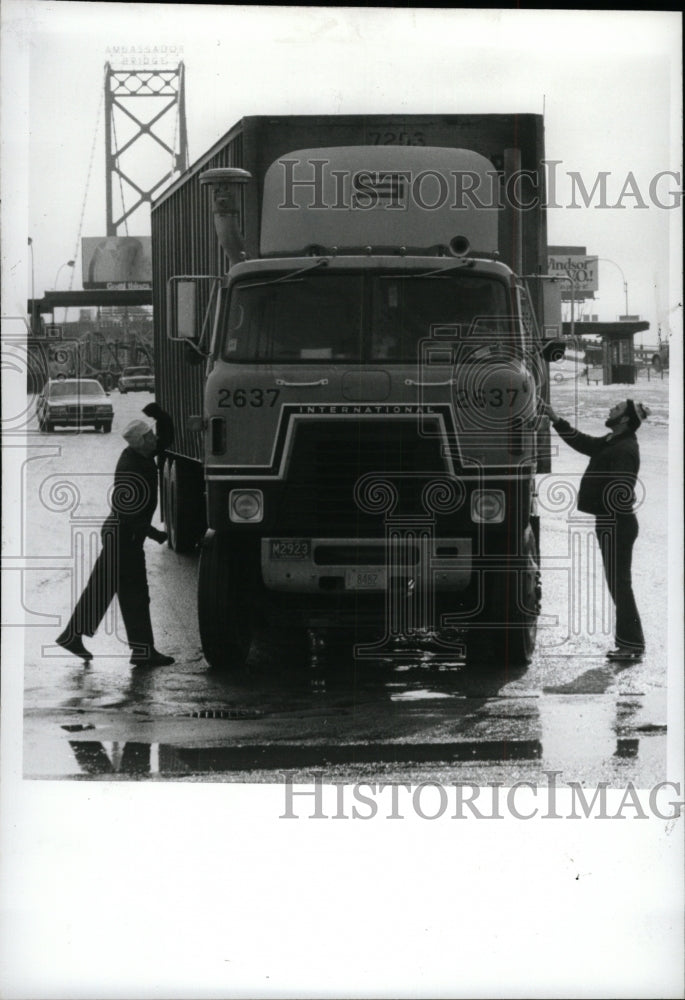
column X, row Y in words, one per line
column 608, row 82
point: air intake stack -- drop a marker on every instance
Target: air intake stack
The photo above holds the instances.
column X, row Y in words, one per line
column 226, row 183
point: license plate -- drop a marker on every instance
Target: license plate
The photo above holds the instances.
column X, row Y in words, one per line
column 290, row 548
column 365, row 579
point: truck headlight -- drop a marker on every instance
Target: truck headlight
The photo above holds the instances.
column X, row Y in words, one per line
column 246, row 505
column 487, row 506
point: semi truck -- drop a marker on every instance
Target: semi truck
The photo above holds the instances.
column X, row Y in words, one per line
column 352, row 333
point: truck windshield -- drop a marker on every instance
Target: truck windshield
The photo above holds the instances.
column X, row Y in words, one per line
column 360, row 318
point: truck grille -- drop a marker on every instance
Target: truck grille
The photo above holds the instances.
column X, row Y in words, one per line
column 329, row 459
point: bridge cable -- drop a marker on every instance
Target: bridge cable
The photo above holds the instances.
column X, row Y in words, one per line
column 77, row 246
column 121, row 186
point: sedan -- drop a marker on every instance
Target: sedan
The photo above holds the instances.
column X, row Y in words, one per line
column 74, row 402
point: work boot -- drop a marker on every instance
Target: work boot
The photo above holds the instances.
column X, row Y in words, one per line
column 73, row 644
column 151, row 659
column 625, row 654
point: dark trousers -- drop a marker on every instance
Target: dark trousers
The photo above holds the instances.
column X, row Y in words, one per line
column 119, row 570
column 616, row 540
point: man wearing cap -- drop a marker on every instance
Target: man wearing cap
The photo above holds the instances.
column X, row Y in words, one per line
column 120, row 567
column 607, row 490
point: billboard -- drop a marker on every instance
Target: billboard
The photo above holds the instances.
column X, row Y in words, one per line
column 116, row 262
column 575, row 263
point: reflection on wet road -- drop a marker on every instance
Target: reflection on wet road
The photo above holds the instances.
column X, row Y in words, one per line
column 412, row 719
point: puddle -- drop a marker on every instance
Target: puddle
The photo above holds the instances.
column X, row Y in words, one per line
column 423, row 695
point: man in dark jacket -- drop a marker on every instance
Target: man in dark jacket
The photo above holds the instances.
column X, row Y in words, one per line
column 164, row 426
column 120, row 567
column 607, row 490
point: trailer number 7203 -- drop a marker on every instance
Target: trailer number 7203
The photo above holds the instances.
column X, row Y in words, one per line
column 249, row 396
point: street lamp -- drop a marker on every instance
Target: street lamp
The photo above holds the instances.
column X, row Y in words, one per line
column 625, row 283
column 33, row 292
column 32, row 281
column 68, row 263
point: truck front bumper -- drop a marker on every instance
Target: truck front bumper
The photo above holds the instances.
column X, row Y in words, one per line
column 320, row 565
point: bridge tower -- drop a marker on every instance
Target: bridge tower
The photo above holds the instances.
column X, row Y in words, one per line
column 145, row 143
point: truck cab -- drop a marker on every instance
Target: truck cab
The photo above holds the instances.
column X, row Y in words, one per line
column 370, row 427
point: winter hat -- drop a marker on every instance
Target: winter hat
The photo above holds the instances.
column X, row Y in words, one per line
column 136, row 431
column 637, row 412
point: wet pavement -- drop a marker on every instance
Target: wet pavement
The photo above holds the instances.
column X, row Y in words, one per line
column 419, row 714
column 410, row 723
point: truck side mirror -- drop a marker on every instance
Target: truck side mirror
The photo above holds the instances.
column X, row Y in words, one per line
column 189, row 303
column 182, row 309
column 186, row 304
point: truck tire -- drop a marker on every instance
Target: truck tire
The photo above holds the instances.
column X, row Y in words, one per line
column 516, row 601
column 227, row 600
column 107, row 427
column 183, row 504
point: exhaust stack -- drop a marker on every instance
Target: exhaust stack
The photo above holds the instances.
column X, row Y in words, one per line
column 226, row 183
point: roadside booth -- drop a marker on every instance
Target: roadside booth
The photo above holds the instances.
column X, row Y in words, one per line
column 618, row 358
column 618, row 346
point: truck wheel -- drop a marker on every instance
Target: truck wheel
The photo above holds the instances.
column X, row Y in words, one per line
column 227, row 600
column 505, row 636
column 183, row 504
column 107, row 427
column 49, row 427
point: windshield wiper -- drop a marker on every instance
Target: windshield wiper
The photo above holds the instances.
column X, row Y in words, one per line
column 429, row 274
column 291, row 276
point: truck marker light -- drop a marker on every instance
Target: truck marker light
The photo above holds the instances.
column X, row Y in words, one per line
column 246, row 505
column 487, row 506
column 459, row 245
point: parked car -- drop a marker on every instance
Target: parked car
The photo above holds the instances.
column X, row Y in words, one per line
column 139, row 379
column 74, row 402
